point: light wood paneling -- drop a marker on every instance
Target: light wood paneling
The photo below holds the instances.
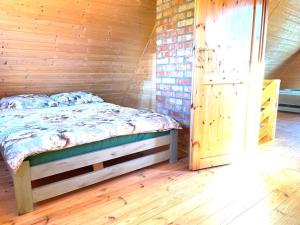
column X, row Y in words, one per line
column 260, row 190
column 289, row 72
column 53, row 46
column 283, row 43
column 141, row 92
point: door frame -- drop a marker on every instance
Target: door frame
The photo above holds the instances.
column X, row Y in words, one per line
column 257, row 68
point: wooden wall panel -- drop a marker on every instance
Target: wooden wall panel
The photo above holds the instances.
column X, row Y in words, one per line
column 51, row 46
column 141, row 92
column 283, row 43
column 288, row 72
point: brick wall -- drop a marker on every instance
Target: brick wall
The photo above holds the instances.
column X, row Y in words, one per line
column 175, row 20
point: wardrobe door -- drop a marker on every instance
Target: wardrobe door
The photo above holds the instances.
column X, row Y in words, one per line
column 223, row 48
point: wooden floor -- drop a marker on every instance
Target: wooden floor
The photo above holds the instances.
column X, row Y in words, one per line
column 262, row 189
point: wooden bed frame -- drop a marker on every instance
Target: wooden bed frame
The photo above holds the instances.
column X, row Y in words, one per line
column 26, row 196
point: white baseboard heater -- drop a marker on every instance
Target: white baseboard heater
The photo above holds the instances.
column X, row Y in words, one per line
column 289, row 100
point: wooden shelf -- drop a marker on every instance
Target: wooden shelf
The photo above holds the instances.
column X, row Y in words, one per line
column 268, row 116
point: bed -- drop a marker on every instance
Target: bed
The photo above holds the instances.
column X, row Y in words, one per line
column 59, row 136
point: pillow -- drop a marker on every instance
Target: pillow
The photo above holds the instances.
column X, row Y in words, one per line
column 26, row 101
column 75, row 98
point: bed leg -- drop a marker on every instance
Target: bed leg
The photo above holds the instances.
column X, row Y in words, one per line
column 23, row 189
column 173, row 146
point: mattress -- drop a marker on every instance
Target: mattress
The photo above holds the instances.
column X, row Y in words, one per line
column 29, row 132
column 91, row 147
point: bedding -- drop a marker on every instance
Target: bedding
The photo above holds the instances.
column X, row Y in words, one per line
column 26, row 101
column 75, row 98
column 36, row 101
column 29, row 132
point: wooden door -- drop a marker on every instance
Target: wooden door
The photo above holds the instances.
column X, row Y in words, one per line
column 224, row 36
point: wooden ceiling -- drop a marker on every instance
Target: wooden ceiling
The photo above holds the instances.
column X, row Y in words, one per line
column 283, row 42
column 52, row 45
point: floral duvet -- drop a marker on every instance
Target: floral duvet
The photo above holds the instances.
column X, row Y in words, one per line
column 29, row 132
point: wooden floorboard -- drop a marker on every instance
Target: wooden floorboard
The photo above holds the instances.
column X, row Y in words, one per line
column 262, row 188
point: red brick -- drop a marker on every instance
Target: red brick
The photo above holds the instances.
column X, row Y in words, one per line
column 177, row 114
column 177, row 2
column 179, row 45
column 169, row 27
column 184, row 81
column 162, row 87
column 163, row 48
column 160, row 98
column 182, row 95
column 161, row 73
column 188, row 45
column 168, row 80
column 187, row 88
column 175, row 53
column 189, row 29
column 168, row 93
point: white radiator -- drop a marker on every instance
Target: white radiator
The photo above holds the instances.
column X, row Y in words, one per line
column 289, row 100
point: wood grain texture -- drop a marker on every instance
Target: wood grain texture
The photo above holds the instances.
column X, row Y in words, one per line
column 98, row 166
column 64, row 186
column 142, row 88
column 262, row 189
column 26, row 195
column 269, row 108
column 256, row 77
column 222, row 78
column 55, row 46
column 23, row 190
column 283, row 43
column 71, row 163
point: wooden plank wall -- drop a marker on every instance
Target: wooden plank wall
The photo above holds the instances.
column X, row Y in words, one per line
column 289, row 72
column 283, row 43
column 52, row 46
column 141, row 91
